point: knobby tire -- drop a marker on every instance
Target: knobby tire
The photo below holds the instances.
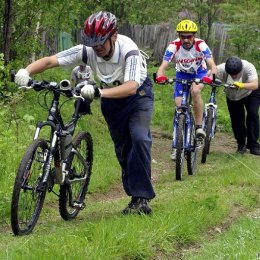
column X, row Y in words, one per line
column 207, row 140
column 193, row 150
column 28, row 193
column 180, row 147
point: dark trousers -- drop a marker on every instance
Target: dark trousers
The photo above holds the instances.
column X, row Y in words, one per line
column 129, row 122
column 245, row 119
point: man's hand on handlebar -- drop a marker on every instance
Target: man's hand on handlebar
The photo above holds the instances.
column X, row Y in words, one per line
column 88, row 91
column 22, row 78
column 161, row 79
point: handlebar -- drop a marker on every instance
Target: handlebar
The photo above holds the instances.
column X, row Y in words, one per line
column 216, row 83
column 63, row 87
column 206, row 80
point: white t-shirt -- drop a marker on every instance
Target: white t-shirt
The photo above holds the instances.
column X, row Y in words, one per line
column 127, row 62
column 189, row 61
column 247, row 74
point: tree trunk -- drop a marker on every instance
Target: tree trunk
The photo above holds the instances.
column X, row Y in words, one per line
column 7, row 30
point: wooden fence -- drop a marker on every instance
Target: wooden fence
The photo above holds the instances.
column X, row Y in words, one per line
column 157, row 37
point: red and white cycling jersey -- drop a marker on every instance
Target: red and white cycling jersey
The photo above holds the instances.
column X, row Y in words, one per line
column 190, row 61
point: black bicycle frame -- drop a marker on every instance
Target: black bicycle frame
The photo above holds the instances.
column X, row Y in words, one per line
column 58, row 130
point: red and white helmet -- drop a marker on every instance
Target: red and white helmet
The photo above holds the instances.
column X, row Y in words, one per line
column 98, row 28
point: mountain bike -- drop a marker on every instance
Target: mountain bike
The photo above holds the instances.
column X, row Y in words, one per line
column 184, row 138
column 62, row 159
column 210, row 115
column 184, row 133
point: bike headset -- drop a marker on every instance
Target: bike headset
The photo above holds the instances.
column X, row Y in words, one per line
column 233, row 65
column 98, row 28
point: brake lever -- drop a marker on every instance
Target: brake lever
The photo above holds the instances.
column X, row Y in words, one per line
column 197, row 81
column 78, row 96
column 25, row 87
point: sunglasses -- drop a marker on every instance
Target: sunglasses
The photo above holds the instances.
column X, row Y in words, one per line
column 189, row 36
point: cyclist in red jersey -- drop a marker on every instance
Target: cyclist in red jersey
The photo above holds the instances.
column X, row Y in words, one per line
column 192, row 58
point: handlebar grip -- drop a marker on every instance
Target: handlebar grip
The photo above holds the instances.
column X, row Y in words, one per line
column 154, row 76
column 31, row 81
column 12, row 74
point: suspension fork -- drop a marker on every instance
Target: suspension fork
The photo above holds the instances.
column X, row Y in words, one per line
column 49, row 158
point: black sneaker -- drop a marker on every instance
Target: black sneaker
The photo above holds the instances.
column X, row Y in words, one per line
column 137, row 206
column 255, row 150
column 241, row 149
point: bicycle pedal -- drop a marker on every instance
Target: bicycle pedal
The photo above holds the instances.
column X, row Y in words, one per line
column 79, row 206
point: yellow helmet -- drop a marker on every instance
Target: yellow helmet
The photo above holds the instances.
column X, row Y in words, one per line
column 186, row 26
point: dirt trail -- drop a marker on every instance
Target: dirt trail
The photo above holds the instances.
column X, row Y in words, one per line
column 161, row 162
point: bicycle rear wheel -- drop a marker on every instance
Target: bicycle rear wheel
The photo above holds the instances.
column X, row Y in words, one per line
column 193, row 149
column 180, row 148
column 73, row 192
column 208, row 138
column 28, row 191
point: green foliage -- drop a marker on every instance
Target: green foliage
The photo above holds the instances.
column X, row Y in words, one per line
column 244, row 34
column 36, row 24
column 7, row 88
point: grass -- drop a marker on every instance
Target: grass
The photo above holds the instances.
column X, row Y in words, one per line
column 238, row 242
column 186, row 214
column 212, row 215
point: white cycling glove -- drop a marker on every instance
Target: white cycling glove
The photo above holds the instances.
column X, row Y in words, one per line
column 88, row 92
column 22, row 77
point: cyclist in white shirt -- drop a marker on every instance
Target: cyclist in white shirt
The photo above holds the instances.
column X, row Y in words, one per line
column 192, row 56
column 82, row 73
column 126, row 99
column 243, row 102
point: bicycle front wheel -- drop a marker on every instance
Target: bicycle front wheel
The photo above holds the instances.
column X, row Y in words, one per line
column 180, row 147
column 193, row 149
column 207, row 140
column 28, row 191
column 79, row 166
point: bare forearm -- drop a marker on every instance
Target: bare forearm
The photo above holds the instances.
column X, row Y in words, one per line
column 126, row 89
column 161, row 70
column 251, row 85
column 42, row 65
column 212, row 66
